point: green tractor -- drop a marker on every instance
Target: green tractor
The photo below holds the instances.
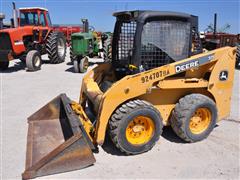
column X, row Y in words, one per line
column 89, row 44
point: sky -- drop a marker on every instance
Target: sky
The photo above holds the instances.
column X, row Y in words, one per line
column 99, row 12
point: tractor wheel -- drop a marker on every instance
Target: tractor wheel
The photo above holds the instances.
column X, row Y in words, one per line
column 194, row 117
column 33, row 60
column 4, row 65
column 238, row 57
column 76, row 66
column 107, row 49
column 135, row 127
column 56, row 47
column 81, row 65
column 72, row 56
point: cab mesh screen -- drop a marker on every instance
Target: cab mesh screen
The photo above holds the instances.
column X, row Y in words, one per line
column 126, row 40
column 163, row 42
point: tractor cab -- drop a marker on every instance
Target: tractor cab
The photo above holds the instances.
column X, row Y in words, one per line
column 34, row 16
column 145, row 40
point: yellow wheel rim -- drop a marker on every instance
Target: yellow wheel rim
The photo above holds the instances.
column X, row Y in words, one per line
column 140, row 130
column 200, row 121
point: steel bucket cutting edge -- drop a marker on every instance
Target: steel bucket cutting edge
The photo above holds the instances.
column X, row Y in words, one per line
column 57, row 141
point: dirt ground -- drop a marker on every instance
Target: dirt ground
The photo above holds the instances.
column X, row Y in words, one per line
column 22, row 93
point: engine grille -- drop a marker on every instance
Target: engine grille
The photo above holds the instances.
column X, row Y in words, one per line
column 5, row 42
column 126, row 40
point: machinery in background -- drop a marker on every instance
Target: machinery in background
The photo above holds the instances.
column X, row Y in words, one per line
column 89, row 44
column 212, row 39
column 3, row 25
column 31, row 36
column 158, row 76
column 2, row 17
column 67, row 30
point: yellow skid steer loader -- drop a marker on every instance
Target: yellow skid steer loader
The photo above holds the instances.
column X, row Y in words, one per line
column 159, row 76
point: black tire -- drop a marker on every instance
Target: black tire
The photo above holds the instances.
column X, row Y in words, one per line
column 4, row 65
column 107, row 49
column 72, row 56
column 76, row 66
column 33, row 60
column 238, row 57
column 55, row 54
column 81, row 65
column 124, row 115
column 185, row 109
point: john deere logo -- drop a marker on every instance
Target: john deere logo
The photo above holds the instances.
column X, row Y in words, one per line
column 223, row 76
column 186, row 66
column 193, row 63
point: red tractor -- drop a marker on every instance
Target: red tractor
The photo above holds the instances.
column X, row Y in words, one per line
column 31, row 36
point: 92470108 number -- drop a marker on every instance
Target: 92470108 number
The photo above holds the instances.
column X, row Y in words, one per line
column 154, row 75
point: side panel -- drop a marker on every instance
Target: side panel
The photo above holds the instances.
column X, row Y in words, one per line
column 165, row 100
column 221, row 81
column 137, row 85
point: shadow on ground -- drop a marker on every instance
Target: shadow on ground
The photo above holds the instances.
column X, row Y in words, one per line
column 18, row 66
column 110, row 148
column 69, row 63
column 71, row 69
column 45, row 61
column 167, row 134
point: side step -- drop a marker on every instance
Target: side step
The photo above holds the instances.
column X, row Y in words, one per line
column 57, row 141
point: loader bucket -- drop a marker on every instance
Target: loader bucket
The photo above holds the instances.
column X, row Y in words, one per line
column 57, row 141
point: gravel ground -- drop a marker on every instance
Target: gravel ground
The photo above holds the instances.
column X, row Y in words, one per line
column 24, row 92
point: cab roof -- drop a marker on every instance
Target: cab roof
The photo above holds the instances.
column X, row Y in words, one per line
column 141, row 15
column 33, row 8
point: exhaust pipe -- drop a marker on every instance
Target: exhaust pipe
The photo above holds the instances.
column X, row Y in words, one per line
column 15, row 15
column 215, row 24
column 85, row 25
column 2, row 16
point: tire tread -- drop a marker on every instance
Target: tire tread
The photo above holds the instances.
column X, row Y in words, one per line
column 51, row 48
column 179, row 114
column 122, row 111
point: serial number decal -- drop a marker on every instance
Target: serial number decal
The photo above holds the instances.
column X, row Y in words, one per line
column 155, row 75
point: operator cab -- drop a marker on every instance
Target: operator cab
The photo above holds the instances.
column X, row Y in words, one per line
column 145, row 40
column 34, row 16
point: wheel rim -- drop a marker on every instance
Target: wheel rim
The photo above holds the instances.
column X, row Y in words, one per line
column 61, row 47
column 200, row 121
column 85, row 63
column 140, row 130
column 37, row 61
